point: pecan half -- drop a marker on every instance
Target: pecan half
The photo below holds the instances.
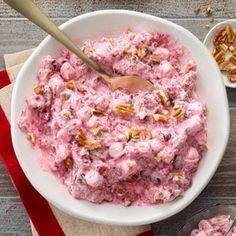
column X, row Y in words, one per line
column 124, row 109
column 142, row 52
column 177, row 112
column 164, row 97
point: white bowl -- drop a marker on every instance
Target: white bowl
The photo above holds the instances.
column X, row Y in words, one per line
column 208, row 41
column 210, row 89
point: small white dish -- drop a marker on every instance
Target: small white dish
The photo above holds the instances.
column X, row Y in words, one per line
column 209, row 85
column 208, row 41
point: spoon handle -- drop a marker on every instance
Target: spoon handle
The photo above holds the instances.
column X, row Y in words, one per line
column 28, row 9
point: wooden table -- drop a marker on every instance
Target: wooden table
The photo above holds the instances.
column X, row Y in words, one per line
column 16, row 34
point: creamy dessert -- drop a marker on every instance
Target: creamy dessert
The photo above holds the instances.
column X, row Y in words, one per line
column 215, row 226
column 114, row 146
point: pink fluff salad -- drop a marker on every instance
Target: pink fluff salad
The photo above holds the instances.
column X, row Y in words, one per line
column 122, row 171
column 215, row 226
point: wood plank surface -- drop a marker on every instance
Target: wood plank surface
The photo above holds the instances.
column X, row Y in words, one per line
column 17, row 34
column 161, row 8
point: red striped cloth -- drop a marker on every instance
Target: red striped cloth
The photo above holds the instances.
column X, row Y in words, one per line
column 36, row 206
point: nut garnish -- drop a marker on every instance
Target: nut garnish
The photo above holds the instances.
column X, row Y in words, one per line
column 232, row 59
column 128, row 53
column 225, row 66
column 177, row 112
column 81, row 138
column 32, row 138
column 98, row 111
column 89, row 144
column 142, row 52
column 231, row 48
column 160, row 117
column 92, row 145
column 220, row 36
column 164, row 97
column 70, row 84
column 134, row 134
column 39, row 89
column 68, row 162
column 232, row 78
column 157, row 157
column 188, row 67
column 230, row 34
column 197, row 9
column 223, row 47
column 232, row 70
column 124, row 109
column 209, row 10
column 224, row 42
column 96, row 130
column 154, row 59
column 219, row 57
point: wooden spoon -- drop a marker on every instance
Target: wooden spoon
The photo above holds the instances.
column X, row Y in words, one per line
column 28, row 9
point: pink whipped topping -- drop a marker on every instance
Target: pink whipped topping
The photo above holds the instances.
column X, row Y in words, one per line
column 215, row 226
column 153, row 167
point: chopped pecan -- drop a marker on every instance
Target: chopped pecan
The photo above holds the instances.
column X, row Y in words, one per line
column 223, row 47
column 68, row 162
column 232, row 78
column 157, row 157
column 70, row 84
column 98, row 111
column 231, row 48
column 134, row 134
column 177, row 112
column 32, row 138
column 209, row 10
column 219, row 36
column 197, row 9
column 81, row 138
column 229, row 33
column 39, row 89
column 164, row 97
column 161, row 117
column 225, row 66
column 219, row 57
column 154, row 59
column 96, row 130
column 92, row 145
column 142, row 52
column 124, row 109
column 232, row 59
column 129, row 53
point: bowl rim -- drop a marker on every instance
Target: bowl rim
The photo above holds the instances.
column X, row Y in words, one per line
column 200, row 211
column 98, row 219
column 207, row 39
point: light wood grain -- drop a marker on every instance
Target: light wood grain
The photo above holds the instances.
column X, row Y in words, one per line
column 26, row 35
column 13, row 219
column 162, row 8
